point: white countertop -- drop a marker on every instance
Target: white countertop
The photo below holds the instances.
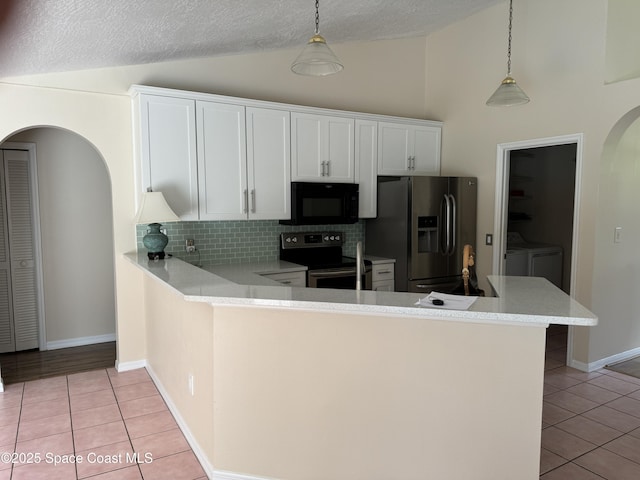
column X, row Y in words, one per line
column 252, row 273
column 521, row 300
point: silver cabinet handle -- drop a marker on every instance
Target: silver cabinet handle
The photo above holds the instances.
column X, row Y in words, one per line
column 245, row 201
column 253, row 201
column 323, row 165
column 382, row 272
column 328, row 168
column 285, row 282
column 409, row 162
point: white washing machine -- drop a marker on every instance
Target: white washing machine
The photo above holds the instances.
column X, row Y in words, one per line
column 533, row 259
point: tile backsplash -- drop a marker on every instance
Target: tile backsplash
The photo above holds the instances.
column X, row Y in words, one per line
column 240, row 241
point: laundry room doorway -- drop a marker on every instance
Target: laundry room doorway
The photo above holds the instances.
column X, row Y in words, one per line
column 537, row 200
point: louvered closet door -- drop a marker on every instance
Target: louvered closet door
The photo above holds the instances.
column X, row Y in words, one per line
column 23, row 272
column 7, row 339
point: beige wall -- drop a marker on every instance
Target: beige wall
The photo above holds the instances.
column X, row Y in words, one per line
column 104, row 121
column 559, row 60
column 77, row 236
column 384, row 77
column 299, row 395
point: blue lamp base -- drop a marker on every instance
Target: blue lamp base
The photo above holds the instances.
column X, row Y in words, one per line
column 155, row 241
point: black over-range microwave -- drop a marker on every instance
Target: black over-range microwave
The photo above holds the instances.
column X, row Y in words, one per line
column 323, row 203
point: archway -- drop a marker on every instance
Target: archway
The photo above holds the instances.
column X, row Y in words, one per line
column 616, row 272
column 76, row 226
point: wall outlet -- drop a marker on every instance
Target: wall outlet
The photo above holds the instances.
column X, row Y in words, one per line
column 488, row 239
column 617, row 235
column 190, row 245
column 191, row 385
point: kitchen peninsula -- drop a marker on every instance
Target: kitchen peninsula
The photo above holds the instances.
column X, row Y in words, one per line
column 286, row 383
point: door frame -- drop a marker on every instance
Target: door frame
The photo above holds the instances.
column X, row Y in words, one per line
column 502, row 202
column 37, row 237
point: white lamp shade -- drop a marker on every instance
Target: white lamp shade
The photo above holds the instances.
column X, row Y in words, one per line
column 154, row 209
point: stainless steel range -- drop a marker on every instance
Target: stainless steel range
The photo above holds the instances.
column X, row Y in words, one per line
column 321, row 253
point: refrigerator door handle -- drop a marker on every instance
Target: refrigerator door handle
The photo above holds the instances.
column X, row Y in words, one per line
column 454, row 212
column 447, row 225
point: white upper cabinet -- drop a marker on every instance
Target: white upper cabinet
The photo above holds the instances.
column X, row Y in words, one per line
column 243, row 162
column 227, row 158
column 222, row 161
column 405, row 149
column 322, row 148
column 167, row 142
column 366, row 161
column 268, row 164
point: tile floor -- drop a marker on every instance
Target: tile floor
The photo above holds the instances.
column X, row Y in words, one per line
column 590, row 426
column 590, row 421
column 101, row 417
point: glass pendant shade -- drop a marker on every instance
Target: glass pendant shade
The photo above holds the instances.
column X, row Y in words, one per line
column 508, row 94
column 316, row 59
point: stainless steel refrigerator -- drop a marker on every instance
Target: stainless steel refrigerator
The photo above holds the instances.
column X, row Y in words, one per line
column 424, row 223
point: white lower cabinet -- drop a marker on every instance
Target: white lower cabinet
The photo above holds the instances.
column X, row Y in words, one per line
column 290, row 279
column 383, row 277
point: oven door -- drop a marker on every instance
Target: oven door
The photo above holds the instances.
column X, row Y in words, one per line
column 342, row 278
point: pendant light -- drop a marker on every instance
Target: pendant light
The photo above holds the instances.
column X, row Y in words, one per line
column 316, row 59
column 508, row 93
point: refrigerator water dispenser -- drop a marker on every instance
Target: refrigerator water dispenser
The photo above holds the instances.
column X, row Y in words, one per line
column 428, row 234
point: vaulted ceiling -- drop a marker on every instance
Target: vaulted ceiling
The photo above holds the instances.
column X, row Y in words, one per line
column 42, row 36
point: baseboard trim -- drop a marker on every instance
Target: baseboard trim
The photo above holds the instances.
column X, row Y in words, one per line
column 208, row 468
column 223, row 475
column 613, row 359
column 126, row 366
column 80, row 341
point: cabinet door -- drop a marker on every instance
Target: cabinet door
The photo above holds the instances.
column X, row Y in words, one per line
column 366, row 163
column 269, row 164
column 426, row 150
column 340, row 146
column 408, row 149
column 322, row 148
column 168, row 152
column 222, row 160
column 306, row 149
column 393, row 149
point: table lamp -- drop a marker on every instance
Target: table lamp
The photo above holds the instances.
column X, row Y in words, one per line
column 154, row 210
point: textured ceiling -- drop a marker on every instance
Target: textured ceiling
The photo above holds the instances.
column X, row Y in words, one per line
column 42, row 36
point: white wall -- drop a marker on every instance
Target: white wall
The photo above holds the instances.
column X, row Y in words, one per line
column 77, row 236
column 559, row 60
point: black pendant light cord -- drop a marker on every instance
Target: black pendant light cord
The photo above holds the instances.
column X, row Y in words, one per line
column 509, row 48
